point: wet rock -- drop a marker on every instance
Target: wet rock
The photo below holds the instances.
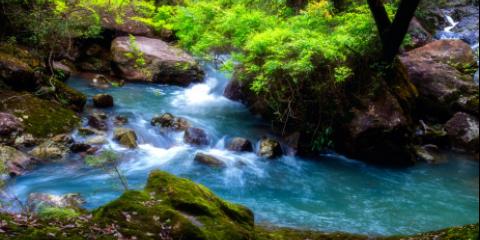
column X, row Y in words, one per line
column 87, row 131
column 435, row 134
column 103, row 101
column 13, row 162
column 100, row 81
column 64, row 139
column 167, row 120
column 38, row 200
column 98, row 121
column 25, row 140
column 125, row 137
column 164, row 63
column 80, row 147
column 96, row 140
column 430, row 154
column 195, row 136
column 419, row 35
column 50, row 150
column 9, row 124
column 269, row 148
column 120, row 120
column 240, row 145
column 441, row 72
column 463, row 131
column 16, row 70
column 209, row 160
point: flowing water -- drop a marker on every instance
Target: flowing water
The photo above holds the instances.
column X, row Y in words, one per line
column 331, row 193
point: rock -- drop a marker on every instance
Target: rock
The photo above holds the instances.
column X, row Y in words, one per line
column 440, row 71
column 16, row 71
column 87, row 131
column 9, row 124
column 25, row 140
column 64, row 139
column 167, row 120
column 269, row 148
column 13, row 162
column 103, row 101
column 429, row 154
column 120, row 120
column 463, row 131
column 378, row 132
column 100, row 81
column 41, row 118
column 69, row 97
column 234, row 90
column 434, row 134
column 50, row 150
column 163, row 63
column 195, row 211
column 66, row 69
column 98, row 121
column 125, row 137
column 240, row 145
column 36, row 201
column 195, row 136
column 419, row 35
column 96, row 140
column 80, row 147
column 209, row 160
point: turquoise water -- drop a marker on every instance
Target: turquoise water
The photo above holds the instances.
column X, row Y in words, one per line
column 331, row 193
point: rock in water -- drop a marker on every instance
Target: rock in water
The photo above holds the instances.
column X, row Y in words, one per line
column 463, row 131
column 9, row 124
column 96, row 140
column 195, row 136
column 50, row 150
column 269, row 148
column 103, row 101
column 209, row 160
column 240, row 145
column 125, row 137
column 13, row 162
column 167, row 120
column 98, row 121
column 163, row 63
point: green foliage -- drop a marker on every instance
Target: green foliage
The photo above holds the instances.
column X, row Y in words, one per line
column 57, row 213
column 106, row 158
column 342, row 73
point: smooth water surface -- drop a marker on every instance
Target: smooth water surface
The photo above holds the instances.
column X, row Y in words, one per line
column 331, row 193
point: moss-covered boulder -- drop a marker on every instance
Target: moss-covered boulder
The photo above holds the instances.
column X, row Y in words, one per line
column 126, row 137
column 17, row 68
column 178, row 208
column 41, row 118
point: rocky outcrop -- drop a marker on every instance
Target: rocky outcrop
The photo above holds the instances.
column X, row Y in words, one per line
column 195, row 136
column 103, row 101
column 126, row 137
column 463, row 131
column 379, row 132
column 14, row 162
column 442, row 73
column 209, row 160
column 160, row 62
column 239, row 144
column 269, row 148
column 167, row 120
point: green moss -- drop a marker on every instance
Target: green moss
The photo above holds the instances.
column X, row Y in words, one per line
column 56, row 213
column 41, row 118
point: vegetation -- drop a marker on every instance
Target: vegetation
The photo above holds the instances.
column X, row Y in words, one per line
column 109, row 161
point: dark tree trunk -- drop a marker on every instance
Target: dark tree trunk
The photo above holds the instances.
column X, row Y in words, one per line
column 392, row 34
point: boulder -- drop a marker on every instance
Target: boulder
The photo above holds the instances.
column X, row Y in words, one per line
column 96, row 140
column 463, row 131
column 103, row 101
column 13, row 162
column 269, row 148
column 125, row 137
column 419, row 36
column 430, row 154
column 191, row 211
column 239, row 144
column 80, row 147
column 98, row 121
column 100, row 81
column 378, row 132
column 195, row 136
column 163, row 63
column 167, row 120
column 36, row 201
column 17, row 72
column 87, row 131
column 9, row 124
column 50, row 150
column 442, row 71
column 209, row 160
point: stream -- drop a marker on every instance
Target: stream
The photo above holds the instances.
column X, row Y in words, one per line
column 331, row 193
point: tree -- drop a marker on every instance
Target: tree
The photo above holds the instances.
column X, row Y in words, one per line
column 392, row 33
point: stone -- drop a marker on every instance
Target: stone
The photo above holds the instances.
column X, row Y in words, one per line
column 100, row 81
column 96, row 140
column 50, row 150
column 209, row 160
column 430, row 154
column 98, row 122
column 9, row 124
column 103, row 101
column 195, row 136
column 87, row 131
column 80, row 147
column 419, row 36
column 239, row 144
column 167, row 120
column 269, row 148
column 13, row 162
column 126, row 137
column 25, row 140
column 163, row 63
column 120, row 120
column 463, row 131
column 71, row 200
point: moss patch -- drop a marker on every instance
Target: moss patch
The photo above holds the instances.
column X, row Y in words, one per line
column 41, row 118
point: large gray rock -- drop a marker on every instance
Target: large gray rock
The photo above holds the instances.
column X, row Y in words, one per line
column 13, row 162
column 163, row 63
column 442, row 73
column 50, row 150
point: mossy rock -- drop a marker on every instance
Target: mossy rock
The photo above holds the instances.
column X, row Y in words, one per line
column 177, row 207
column 41, row 118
